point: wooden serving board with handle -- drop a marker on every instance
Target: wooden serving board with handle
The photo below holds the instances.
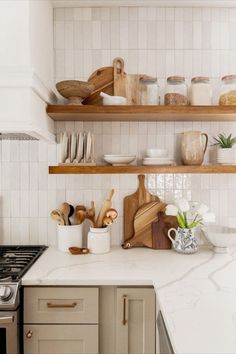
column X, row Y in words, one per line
column 103, row 80
column 132, row 203
column 124, row 84
column 143, row 220
column 160, row 229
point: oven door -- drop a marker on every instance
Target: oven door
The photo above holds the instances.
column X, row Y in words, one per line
column 9, row 332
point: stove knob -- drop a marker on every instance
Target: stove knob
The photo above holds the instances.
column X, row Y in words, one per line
column 5, row 293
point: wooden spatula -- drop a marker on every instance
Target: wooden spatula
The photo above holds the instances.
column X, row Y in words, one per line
column 104, row 208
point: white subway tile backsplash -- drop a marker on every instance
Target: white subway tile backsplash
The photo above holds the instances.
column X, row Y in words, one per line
column 59, row 34
column 160, row 35
column 5, row 204
column 115, row 34
column 69, row 14
column 124, row 35
column 170, row 34
column 154, row 41
column 96, row 35
column 105, row 14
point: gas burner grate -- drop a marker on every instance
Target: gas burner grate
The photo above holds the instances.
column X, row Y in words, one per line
column 16, row 260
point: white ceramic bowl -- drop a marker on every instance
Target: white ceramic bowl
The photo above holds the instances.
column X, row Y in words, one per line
column 114, row 100
column 220, row 236
column 119, row 160
column 157, row 152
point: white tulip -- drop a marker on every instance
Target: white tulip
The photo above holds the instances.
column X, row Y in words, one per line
column 209, row 217
column 183, row 205
column 202, row 209
column 171, row 210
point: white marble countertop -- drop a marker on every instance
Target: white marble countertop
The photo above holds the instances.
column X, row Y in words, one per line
column 197, row 293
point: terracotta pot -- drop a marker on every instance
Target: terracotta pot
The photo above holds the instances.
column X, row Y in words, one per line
column 193, row 148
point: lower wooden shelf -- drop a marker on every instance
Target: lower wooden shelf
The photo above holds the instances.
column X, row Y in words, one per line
column 141, row 169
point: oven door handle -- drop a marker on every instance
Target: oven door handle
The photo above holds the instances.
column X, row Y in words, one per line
column 7, row 319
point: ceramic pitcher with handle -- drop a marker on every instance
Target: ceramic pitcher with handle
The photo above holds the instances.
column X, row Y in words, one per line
column 185, row 240
column 193, row 147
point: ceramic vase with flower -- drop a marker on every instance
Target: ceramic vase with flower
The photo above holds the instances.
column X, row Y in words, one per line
column 185, row 240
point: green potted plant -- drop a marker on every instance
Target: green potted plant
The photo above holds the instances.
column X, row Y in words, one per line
column 226, row 152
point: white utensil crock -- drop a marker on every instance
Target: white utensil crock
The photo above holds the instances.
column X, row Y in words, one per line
column 99, row 240
column 69, row 236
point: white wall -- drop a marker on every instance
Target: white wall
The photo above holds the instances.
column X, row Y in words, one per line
column 14, row 29
column 156, row 41
column 41, row 40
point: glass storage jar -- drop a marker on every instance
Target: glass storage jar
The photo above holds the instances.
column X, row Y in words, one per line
column 200, row 93
column 228, row 91
column 176, row 92
column 149, row 91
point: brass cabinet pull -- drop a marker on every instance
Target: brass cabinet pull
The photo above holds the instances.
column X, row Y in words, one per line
column 61, row 306
column 124, row 309
column 29, row 334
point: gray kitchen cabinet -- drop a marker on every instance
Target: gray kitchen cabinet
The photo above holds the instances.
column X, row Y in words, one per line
column 135, row 325
column 61, row 320
column 63, row 339
column 127, row 320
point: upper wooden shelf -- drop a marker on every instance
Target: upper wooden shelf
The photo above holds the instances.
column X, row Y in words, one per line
column 142, row 113
column 141, row 169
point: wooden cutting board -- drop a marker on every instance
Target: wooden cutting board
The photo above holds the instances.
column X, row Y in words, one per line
column 160, row 229
column 132, row 203
column 143, row 220
column 103, row 80
column 124, row 84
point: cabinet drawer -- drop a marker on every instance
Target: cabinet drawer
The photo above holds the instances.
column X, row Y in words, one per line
column 63, row 339
column 60, row 305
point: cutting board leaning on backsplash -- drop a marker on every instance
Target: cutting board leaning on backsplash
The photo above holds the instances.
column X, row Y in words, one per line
column 132, row 203
column 145, row 222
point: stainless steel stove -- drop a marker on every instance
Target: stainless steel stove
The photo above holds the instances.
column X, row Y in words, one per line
column 14, row 263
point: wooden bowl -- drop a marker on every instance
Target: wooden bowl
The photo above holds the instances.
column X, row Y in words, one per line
column 75, row 91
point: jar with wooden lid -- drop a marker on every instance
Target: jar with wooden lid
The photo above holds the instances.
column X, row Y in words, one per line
column 176, row 92
column 228, row 91
column 149, row 91
column 200, row 93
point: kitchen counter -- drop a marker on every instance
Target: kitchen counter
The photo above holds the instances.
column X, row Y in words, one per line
column 196, row 293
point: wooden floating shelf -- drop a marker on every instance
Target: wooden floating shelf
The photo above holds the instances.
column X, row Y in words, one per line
column 141, row 113
column 141, row 169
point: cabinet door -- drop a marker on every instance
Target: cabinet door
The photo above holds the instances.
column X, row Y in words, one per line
column 135, row 321
column 61, row 339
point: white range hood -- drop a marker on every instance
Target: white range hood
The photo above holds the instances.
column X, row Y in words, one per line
column 26, row 70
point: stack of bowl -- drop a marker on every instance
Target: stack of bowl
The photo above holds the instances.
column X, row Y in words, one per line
column 157, row 157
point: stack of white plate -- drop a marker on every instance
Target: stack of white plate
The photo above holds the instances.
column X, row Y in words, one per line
column 157, row 157
column 226, row 156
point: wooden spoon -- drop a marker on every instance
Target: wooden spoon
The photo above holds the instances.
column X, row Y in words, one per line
column 68, row 211
column 58, row 216
column 90, row 213
column 104, row 208
column 79, row 215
